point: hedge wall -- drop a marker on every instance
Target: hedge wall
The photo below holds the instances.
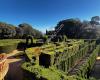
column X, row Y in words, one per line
column 65, row 55
column 8, row 48
column 40, row 73
column 84, row 67
column 75, row 57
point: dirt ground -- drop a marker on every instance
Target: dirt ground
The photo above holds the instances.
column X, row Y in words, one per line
column 96, row 69
column 15, row 71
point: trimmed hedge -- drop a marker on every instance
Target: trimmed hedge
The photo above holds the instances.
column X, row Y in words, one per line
column 8, row 48
column 40, row 73
column 63, row 56
column 84, row 67
column 60, row 58
column 8, row 45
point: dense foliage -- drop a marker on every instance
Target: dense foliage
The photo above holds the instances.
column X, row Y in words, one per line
column 83, row 69
column 8, row 45
column 40, row 73
column 75, row 28
column 28, row 30
column 23, row 30
column 73, row 57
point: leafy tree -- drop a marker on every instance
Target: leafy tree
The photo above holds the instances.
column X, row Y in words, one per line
column 23, row 30
column 74, row 28
column 7, row 30
column 95, row 18
column 19, row 32
column 88, row 31
column 71, row 28
column 28, row 30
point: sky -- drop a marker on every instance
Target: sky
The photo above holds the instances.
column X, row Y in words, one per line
column 45, row 14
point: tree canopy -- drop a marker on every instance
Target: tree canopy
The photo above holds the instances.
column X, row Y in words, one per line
column 20, row 31
column 75, row 28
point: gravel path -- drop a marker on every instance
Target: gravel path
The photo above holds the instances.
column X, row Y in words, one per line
column 15, row 71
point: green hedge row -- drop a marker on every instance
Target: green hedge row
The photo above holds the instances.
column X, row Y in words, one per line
column 65, row 57
column 8, row 48
column 84, row 67
column 8, row 45
column 40, row 73
column 65, row 62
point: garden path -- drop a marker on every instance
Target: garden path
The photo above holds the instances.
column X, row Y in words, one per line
column 96, row 69
column 15, row 71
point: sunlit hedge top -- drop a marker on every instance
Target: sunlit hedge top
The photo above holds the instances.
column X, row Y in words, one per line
column 9, row 42
column 70, row 45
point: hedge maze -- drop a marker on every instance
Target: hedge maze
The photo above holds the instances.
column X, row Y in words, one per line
column 84, row 67
column 73, row 57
